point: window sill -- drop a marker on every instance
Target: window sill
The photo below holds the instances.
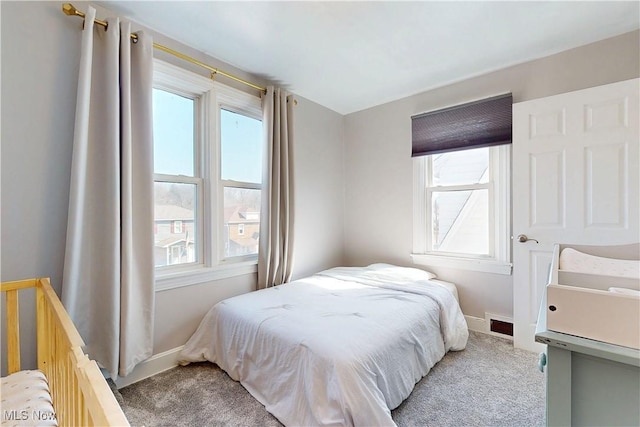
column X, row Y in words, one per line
column 481, row 265
column 196, row 276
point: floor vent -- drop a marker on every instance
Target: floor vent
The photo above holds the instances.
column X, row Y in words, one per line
column 500, row 327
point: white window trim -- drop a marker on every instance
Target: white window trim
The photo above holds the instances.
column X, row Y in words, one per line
column 189, row 276
column 500, row 262
column 213, row 95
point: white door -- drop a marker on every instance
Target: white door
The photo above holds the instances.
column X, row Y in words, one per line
column 575, row 180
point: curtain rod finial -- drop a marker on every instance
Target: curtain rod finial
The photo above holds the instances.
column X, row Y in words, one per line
column 69, row 9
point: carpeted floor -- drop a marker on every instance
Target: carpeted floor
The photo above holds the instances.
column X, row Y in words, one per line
column 488, row 384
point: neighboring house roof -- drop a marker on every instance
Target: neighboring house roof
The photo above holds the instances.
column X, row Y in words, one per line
column 172, row 213
column 235, row 214
column 469, row 230
column 465, row 166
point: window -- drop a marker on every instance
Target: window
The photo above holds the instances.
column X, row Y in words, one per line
column 178, row 178
column 207, row 174
column 458, row 202
column 461, row 209
column 241, row 176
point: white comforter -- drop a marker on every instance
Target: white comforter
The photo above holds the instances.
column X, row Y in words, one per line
column 343, row 347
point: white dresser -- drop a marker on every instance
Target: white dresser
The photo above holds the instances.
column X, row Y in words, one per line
column 589, row 383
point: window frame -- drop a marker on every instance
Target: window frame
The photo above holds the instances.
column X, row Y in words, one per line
column 245, row 104
column 176, row 81
column 499, row 259
column 212, row 95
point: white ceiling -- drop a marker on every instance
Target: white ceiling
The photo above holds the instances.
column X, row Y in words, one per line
column 349, row 56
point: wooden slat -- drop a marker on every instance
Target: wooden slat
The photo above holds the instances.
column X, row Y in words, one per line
column 13, row 332
column 42, row 340
column 18, row 284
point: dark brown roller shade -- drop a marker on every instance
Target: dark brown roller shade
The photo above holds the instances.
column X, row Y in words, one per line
column 477, row 124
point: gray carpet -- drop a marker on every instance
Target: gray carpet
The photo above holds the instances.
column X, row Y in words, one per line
column 488, row 384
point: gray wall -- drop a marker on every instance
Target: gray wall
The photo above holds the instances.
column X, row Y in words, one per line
column 378, row 201
column 40, row 56
column 319, row 188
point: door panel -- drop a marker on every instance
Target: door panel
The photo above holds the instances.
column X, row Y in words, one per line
column 606, row 203
column 575, row 180
column 547, row 189
column 548, row 123
column 610, row 114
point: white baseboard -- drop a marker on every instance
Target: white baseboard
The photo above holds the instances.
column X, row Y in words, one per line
column 478, row 324
column 152, row 366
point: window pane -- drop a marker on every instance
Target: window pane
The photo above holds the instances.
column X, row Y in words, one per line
column 460, row 221
column 173, row 133
column 241, row 221
column 175, row 229
column 241, row 139
column 461, row 167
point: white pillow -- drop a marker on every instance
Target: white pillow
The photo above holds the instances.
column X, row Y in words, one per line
column 579, row 262
column 408, row 273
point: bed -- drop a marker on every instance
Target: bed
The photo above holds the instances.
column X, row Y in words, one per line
column 68, row 388
column 342, row 347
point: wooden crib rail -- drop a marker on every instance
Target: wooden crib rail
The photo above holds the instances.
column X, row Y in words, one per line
column 56, row 333
column 80, row 393
column 13, row 320
column 100, row 406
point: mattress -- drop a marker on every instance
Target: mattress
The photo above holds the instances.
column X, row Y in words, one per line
column 26, row 400
column 342, row 347
column 449, row 286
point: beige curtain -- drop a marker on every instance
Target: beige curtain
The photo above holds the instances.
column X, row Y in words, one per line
column 275, row 259
column 108, row 284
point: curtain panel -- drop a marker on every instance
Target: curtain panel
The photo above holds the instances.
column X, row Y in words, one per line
column 275, row 257
column 108, row 281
